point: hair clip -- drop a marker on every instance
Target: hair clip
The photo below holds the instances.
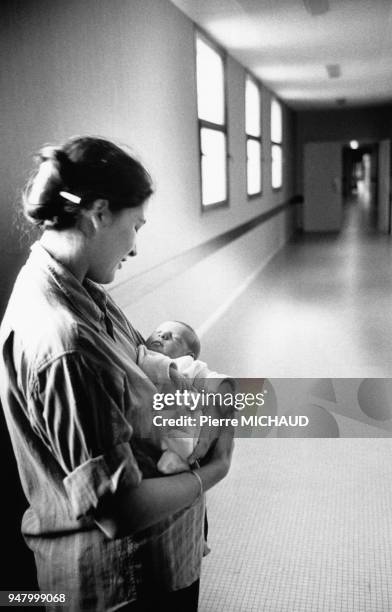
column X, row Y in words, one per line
column 70, row 197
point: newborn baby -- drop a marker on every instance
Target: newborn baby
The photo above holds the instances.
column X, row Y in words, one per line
column 178, row 347
column 174, row 339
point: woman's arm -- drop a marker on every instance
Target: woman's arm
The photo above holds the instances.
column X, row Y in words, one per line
column 78, row 415
column 133, row 509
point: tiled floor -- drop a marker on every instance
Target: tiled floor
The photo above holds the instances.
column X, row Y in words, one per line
column 320, row 308
column 301, row 525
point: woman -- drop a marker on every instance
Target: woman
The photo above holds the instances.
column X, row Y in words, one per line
column 79, row 409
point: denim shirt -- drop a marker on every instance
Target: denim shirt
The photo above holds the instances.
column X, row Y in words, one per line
column 77, row 408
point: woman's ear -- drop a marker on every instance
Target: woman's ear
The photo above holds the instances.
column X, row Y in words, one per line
column 101, row 208
column 100, row 213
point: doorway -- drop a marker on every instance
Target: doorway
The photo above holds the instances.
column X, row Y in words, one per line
column 360, row 185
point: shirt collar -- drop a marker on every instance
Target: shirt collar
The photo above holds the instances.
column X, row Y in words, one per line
column 87, row 298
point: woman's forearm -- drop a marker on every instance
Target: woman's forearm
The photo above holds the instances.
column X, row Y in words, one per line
column 134, row 509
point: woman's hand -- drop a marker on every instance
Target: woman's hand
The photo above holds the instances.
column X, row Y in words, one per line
column 133, row 509
column 222, row 450
column 207, row 436
column 219, row 417
column 219, row 445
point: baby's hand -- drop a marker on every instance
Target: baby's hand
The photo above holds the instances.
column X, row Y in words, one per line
column 179, row 381
column 171, row 463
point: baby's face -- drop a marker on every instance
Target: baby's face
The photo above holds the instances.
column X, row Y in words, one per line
column 170, row 338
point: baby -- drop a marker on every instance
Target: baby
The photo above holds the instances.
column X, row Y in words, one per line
column 174, row 347
column 174, row 339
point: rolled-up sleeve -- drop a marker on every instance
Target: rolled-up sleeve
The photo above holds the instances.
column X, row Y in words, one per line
column 99, row 477
column 78, row 411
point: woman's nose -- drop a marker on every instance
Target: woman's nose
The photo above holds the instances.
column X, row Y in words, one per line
column 133, row 253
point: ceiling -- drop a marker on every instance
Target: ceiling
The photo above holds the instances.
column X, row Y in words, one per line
column 289, row 44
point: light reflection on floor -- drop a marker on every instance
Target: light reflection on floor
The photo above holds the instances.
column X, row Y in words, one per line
column 320, row 308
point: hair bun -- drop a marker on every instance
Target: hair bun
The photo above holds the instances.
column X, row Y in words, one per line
column 64, row 166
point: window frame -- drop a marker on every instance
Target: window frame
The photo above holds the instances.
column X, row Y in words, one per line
column 204, row 123
column 259, row 139
column 278, row 143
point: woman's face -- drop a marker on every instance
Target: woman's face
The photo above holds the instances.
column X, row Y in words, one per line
column 116, row 241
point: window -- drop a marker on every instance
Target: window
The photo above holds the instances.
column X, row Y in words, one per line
column 253, row 136
column 211, row 109
column 276, row 144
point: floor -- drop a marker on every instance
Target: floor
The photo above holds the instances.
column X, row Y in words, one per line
column 320, row 308
column 305, row 525
column 301, row 526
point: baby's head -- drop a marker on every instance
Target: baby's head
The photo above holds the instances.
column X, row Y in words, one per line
column 174, row 339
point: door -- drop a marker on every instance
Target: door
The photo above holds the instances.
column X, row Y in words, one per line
column 383, row 221
column 323, row 187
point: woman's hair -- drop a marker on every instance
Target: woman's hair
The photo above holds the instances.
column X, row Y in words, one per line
column 72, row 176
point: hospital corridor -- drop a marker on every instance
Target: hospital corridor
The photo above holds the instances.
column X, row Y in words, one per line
column 304, row 524
column 319, row 308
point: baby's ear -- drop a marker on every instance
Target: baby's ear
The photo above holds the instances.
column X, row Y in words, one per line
column 191, row 354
